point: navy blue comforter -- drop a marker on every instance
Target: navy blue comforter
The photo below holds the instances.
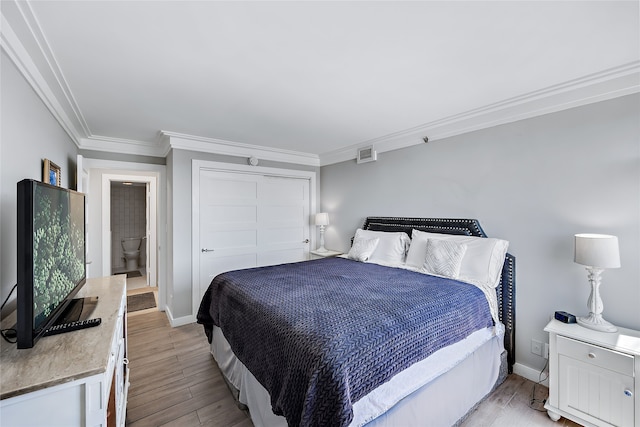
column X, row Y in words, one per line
column 319, row 335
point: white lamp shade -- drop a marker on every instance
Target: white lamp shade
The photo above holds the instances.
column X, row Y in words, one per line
column 322, row 218
column 597, row 250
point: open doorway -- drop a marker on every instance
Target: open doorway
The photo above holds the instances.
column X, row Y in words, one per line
column 129, row 216
column 129, row 228
column 94, row 179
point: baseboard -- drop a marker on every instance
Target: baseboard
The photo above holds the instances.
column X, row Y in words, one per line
column 531, row 374
column 178, row 321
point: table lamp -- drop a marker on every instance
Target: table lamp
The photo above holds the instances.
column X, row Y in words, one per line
column 597, row 252
column 322, row 219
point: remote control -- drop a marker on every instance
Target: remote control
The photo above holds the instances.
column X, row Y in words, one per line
column 72, row 326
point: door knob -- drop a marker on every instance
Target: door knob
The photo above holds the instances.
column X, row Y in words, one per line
column 306, row 241
column 206, row 250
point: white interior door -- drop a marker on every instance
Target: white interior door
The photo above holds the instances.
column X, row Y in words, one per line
column 250, row 220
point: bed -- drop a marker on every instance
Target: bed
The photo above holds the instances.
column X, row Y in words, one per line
column 343, row 342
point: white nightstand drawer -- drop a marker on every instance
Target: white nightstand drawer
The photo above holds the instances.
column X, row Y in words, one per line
column 598, row 356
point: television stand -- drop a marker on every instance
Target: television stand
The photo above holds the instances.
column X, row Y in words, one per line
column 79, row 379
column 78, row 309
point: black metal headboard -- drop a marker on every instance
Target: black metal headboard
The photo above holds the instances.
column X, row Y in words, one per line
column 506, row 290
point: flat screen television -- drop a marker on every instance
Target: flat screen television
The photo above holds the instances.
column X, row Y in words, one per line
column 51, row 256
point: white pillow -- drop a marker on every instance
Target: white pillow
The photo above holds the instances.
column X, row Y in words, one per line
column 362, row 249
column 444, row 257
column 481, row 264
column 391, row 249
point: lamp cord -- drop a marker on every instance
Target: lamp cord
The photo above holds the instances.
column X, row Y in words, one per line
column 7, row 299
column 533, row 400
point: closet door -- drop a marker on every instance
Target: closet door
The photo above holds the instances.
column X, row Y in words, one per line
column 250, row 220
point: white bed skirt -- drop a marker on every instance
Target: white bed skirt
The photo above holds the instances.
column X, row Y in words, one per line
column 437, row 391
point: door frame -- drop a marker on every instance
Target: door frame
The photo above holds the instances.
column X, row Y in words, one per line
column 96, row 168
column 152, row 204
column 196, row 166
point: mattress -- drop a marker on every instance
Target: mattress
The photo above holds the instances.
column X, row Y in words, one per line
column 438, row 391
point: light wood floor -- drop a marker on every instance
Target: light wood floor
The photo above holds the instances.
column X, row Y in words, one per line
column 175, row 382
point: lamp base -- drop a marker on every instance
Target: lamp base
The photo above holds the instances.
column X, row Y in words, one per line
column 597, row 323
column 322, row 249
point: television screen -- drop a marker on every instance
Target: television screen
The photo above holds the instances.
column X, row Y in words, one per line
column 58, row 248
column 51, row 255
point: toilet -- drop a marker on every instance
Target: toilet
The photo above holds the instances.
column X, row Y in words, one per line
column 131, row 251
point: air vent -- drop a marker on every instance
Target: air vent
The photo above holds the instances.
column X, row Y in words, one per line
column 367, row 154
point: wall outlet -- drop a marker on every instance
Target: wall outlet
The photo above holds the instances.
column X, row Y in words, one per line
column 536, row 347
column 546, row 350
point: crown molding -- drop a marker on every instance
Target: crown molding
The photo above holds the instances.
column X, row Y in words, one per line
column 53, row 69
column 230, row 148
column 34, row 59
column 158, row 148
column 28, row 49
column 18, row 54
column 608, row 84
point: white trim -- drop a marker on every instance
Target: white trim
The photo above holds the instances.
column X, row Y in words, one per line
column 178, row 321
column 146, row 170
column 123, row 167
column 220, row 146
column 158, row 148
column 38, row 35
column 608, row 84
column 25, row 64
column 530, row 373
column 196, row 166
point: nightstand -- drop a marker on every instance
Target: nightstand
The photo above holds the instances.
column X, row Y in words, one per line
column 325, row 254
column 592, row 375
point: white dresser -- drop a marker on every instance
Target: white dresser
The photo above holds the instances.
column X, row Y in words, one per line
column 592, row 375
column 80, row 378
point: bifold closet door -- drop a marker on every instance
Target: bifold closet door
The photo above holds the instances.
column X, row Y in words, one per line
column 251, row 220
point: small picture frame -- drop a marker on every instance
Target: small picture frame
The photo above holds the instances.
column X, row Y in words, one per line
column 51, row 174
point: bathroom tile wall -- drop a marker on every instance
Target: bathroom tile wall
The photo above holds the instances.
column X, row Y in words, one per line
column 128, row 219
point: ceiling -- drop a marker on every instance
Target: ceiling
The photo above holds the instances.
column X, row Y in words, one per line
column 314, row 78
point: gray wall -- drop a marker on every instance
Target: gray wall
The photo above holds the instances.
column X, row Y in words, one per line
column 179, row 215
column 29, row 133
column 536, row 183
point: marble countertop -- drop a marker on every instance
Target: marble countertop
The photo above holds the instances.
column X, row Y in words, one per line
column 58, row 359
